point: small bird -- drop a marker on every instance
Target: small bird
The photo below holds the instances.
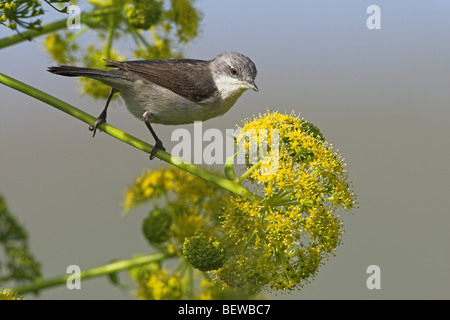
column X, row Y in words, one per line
column 172, row 91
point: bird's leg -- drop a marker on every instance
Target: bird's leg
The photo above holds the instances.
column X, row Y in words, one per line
column 102, row 117
column 158, row 145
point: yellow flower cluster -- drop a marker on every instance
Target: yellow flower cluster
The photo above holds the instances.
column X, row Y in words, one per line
column 282, row 240
column 143, row 14
column 9, row 294
column 21, row 13
column 277, row 239
column 157, row 284
column 183, row 206
column 192, row 202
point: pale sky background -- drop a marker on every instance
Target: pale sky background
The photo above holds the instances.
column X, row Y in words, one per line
column 380, row 96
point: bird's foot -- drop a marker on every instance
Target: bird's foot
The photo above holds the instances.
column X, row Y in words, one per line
column 158, row 146
column 99, row 121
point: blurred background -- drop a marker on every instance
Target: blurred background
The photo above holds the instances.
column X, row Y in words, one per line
column 381, row 97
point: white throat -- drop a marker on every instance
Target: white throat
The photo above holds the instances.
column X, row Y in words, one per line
column 229, row 87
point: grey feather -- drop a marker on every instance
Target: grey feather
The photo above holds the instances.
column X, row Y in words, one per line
column 188, row 78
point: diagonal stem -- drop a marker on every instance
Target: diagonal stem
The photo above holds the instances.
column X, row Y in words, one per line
column 51, row 27
column 220, row 181
column 109, row 268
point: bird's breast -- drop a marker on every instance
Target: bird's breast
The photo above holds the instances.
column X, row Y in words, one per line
column 170, row 108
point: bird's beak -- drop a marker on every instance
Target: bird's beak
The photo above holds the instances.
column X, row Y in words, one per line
column 251, row 85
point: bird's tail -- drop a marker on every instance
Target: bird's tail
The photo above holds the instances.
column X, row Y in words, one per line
column 70, row 71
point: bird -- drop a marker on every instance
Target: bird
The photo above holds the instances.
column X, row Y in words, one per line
column 172, row 91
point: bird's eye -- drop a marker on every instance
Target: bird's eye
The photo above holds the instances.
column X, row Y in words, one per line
column 234, row 72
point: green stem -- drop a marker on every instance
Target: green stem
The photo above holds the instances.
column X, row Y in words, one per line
column 101, row 3
column 220, row 181
column 140, row 37
column 28, row 35
column 93, row 272
column 110, row 39
column 249, row 171
column 229, row 169
column 137, row 36
column 51, row 27
column 63, row 10
column 187, row 280
column 75, row 35
column 250, row 239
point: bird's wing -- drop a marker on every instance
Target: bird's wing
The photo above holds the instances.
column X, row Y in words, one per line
column 186, row 77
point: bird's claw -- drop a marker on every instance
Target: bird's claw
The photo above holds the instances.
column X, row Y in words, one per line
column 158, row 146
column 95, row 126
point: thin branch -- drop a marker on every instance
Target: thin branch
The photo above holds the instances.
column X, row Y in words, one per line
column 51, row 27
column 29, row 35
column 106, row 269
column 220, row 181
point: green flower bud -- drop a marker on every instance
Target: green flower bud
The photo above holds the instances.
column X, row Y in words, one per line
column 143, row 14
column 313, row 130
column 156, row 226
column 204, row 254
column 301, row 154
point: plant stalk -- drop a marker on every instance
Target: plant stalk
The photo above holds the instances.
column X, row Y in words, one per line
column 93, row 272
column 220, row 181
column 48, row 28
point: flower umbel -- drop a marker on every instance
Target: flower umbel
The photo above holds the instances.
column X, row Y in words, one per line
column 155, row 283
column 22, row 13
column 280, row 241
column 185, row 203
column 275, row 239
column 184, row 222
